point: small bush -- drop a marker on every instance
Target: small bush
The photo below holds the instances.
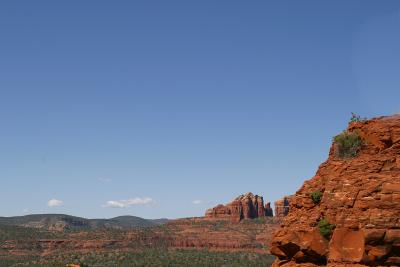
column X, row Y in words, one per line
column 316, row 196
column 325, row 228
column 348, row 144
column 356, row 118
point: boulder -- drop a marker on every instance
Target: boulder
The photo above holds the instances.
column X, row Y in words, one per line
column 347, row 245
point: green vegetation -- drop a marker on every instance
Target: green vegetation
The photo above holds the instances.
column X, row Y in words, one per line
column 19, row 233
column 316, row 196
column 325, row 228
column 19, row 260
column 356, row 118
column 149, row 247
column 348, row 144
column 149, row 257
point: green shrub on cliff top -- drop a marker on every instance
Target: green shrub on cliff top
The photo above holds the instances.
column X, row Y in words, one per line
column 347, row 144
column 356, row 118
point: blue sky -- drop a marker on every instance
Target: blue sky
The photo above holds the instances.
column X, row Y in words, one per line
column 144, row 107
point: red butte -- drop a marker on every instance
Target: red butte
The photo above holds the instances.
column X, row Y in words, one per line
column 246, row 206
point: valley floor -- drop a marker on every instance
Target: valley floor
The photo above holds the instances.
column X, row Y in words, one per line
column 148, row 257
column 184, row 242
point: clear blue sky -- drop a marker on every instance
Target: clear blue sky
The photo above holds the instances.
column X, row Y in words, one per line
column 179, row 101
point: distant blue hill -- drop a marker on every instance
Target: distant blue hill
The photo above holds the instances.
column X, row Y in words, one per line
column 61, row 222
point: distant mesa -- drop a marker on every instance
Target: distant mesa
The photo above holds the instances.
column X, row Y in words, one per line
column 248, row 206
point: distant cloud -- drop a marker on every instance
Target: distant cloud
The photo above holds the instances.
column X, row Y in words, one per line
column 104, row 179
column 126, row 203
column 197, row 202
column 55, row 203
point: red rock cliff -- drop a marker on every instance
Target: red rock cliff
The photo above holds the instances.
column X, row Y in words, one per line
column 246, row 206
column 360, row 205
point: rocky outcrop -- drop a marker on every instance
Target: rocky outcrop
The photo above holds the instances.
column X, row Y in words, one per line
column 246, row 206
column 282, row 207
column 348, row 214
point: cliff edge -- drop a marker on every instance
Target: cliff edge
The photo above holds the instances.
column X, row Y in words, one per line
column 348, row 214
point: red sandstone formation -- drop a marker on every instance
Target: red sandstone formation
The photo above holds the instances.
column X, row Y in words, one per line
column 360, row 201
column 246, row 206
column 221, row 235
column 282, row 207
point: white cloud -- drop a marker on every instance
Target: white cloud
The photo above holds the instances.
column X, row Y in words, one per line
column 197, row 202
column 104, row 179
column 128, row 202
column 55, row 203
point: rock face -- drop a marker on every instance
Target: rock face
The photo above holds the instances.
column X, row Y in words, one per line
column 282, row 207
column 359, row 208
column 246, row 206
